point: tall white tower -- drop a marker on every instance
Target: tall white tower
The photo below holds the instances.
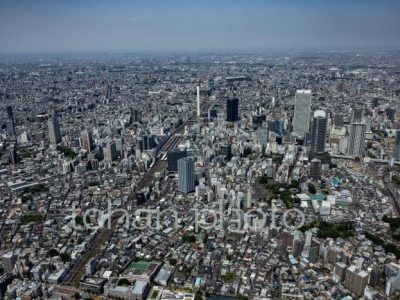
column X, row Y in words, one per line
column 198, row 102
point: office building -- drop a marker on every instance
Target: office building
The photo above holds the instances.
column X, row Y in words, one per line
column 357, row 140
column 186, row 176
column 356, row 280
column 13, row 155
column 232, row 110
column 315, row 168
column 302, row 106
column 226, row 151
column 172, row 159
column 318, row 133
column 54, row 130
column 212, row 113
column 391, row 113
column 111, row 151
column 9, row 259
column 357, row 114
column 339, row 272
column 198, row 109
column 263, row 133
column 9, row 112
column 10, row 128
column 87, row 141
column 109, row 91
column 392, row 272
column 396, row 154
column 135, row 116
column 280, row 127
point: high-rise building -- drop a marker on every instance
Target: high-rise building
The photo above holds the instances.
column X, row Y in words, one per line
column 396, row 154
column 226, row 151
column 357, row 140
column 357, row 114
column 54, row 130
column 10, row 128
column 392, row 272
column 135, row 116
column 356, row 280
column 339, row 272
column 9, row 111
column 119, row 146
column 9, row 259
column 391, row 113
column 186, row 176
column 87, row 141
column 10, row 124
column 172, row 159
column 315, row 168
column 232, row 110
column 13, row 155
column 109, row 91
column 263, row 134
column 318, row 133
column 198, row 102
column 302, row 106
column 111, row 151
column 280, row 126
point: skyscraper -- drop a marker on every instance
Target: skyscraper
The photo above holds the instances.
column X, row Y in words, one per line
column 198, row 101
column 232, row 110
column 109, row 91
column 54, row 130
column 302, row 106
column 87, row 141
column 111, row 151
column 356, row 280
column 263, row 134
column 396, row 154
column 357, row 114
column 318, row 133
column 9, row 111
column 8, row 259
column 357, row 140
column 10, row 128
column 315, row 168
column 186, row 178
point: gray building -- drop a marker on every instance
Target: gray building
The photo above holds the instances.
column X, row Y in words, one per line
column 315, row 168
column 263, row 133
column 302, row 106
column 357, row 140
column 396, row 154
column 318, row 133
column 54, row 130
column 186, row 176
column 111, row 151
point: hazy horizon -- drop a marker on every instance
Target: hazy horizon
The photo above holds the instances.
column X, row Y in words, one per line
column 155, row 26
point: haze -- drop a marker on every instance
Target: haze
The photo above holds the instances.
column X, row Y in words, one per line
column 127, row 25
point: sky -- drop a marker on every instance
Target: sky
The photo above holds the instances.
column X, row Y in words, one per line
column 58, row 26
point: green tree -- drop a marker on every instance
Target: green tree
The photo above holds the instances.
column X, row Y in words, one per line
column 311, row 188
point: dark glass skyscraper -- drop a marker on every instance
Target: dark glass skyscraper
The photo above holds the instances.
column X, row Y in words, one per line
column 396, row 154
column 318, row 133
column 232, row 110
